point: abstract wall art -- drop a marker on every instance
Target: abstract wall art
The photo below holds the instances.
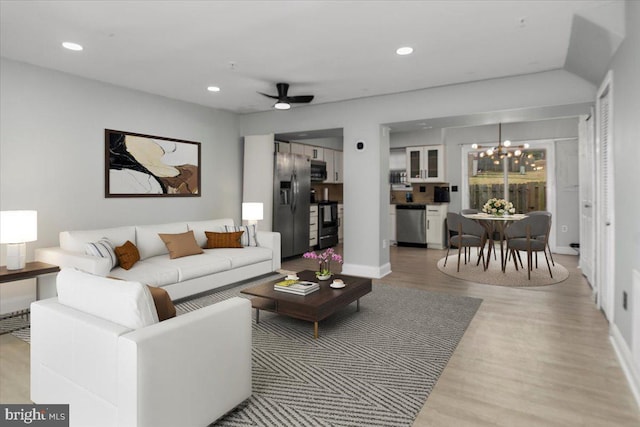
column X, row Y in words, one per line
column 139, row 165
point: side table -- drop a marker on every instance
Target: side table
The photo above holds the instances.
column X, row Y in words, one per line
column 30, row 271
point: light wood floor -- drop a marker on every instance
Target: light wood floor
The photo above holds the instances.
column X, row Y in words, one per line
column 530, row 357
column 536, row 356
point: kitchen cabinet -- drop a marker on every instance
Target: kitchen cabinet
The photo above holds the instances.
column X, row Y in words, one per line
column 297, row 148
column 340, row 218
column 313, row 225
column 314, row 153
column 425, row 163
column 331, row 165
column 282, row 147
column 436, row 229
column 333, row 159
column 338, row 166
column 392, row 224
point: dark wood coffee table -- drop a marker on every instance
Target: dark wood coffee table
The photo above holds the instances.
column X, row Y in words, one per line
column 313, row 307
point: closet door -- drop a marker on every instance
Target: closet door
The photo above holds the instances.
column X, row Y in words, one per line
column 587, row 185
column 605, row 256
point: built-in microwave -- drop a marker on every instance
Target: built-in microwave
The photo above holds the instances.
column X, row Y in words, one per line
column 318, row 171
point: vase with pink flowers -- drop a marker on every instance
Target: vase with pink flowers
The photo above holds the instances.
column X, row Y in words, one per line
column 324, row 262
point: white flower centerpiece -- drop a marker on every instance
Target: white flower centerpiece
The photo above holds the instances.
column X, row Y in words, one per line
column 498, row 207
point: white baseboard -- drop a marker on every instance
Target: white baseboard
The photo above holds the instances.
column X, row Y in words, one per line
column 565, row 250
column 626, row 360
column 366, row 270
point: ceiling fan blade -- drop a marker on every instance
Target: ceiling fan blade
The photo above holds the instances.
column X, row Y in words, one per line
column 300, row 98
column 269, row 96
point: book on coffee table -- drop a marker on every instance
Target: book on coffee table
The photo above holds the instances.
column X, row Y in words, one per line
column 296, row 287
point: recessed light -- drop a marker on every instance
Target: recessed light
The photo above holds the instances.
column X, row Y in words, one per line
column 406, row 50
column 213, row 89
column 72, row 46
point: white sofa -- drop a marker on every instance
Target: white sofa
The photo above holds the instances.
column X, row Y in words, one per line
column 180, row 277
column 185, row 371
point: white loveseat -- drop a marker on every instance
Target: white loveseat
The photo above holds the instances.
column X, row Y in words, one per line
column 180, row 277
column 99, row 349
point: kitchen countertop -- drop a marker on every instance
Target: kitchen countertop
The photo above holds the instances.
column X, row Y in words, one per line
column 418, row 203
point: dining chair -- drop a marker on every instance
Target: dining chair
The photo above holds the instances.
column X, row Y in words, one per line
column 467, row 212
column 495, row 236
column 469, row 234
column 521, row 236
column 546, row 238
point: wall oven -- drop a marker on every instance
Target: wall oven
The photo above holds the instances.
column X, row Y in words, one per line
column 327, row 224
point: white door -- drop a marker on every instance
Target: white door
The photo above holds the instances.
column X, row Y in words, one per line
column 587, row 188
column 604, row 184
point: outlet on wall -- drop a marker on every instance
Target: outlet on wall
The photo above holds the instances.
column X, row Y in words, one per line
column 384, row 243
column 564, row 228
column 624, row 300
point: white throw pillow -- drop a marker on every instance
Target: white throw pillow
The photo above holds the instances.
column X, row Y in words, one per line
column 126, row 303
column 249, row 237
column 103, row 248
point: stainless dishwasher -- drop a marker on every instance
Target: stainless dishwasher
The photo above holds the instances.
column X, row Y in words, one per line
column 411, row 225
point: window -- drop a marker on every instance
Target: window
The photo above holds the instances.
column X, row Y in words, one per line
column 525, row 178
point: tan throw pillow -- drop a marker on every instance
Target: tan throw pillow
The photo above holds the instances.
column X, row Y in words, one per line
column 182, row 244
column 164, row 305
column 223, row 240
column 127, row 255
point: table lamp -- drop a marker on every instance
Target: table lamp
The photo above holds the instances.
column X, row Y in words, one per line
column 252, row 212
column 16, row 228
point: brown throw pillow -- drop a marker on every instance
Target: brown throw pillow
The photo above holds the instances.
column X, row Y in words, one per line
column 127, row 255
column 182, row 244
column 223, row 240
column 164, row 305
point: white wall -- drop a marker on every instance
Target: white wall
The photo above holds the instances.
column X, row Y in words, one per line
column 52, row 152
column 416, row 138
column 626, row 157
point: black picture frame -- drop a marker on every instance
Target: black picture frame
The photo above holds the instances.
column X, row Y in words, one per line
column 139, row 165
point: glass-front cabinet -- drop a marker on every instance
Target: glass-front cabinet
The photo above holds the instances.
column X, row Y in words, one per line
column 425, row 163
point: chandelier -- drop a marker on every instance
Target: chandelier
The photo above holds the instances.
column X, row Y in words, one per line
column 502, row 150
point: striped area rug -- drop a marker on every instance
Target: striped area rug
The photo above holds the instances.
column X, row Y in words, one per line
column 375, row 367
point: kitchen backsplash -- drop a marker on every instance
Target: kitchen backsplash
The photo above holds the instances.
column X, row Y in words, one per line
column 417, row 194
column 335, row 191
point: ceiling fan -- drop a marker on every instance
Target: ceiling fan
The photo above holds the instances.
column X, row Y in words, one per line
column 284, row 101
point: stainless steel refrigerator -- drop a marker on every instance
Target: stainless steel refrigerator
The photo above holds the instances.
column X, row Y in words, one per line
column 291, row 192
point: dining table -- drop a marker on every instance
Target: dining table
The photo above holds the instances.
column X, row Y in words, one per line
column 495, row 224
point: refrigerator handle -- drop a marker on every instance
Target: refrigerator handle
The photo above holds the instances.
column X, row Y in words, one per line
column 294, row 191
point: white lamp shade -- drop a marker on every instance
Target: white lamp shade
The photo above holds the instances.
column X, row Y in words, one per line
column 252, row 211
column 18, row 226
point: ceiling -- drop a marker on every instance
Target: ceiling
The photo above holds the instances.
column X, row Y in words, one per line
column 335, row 50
